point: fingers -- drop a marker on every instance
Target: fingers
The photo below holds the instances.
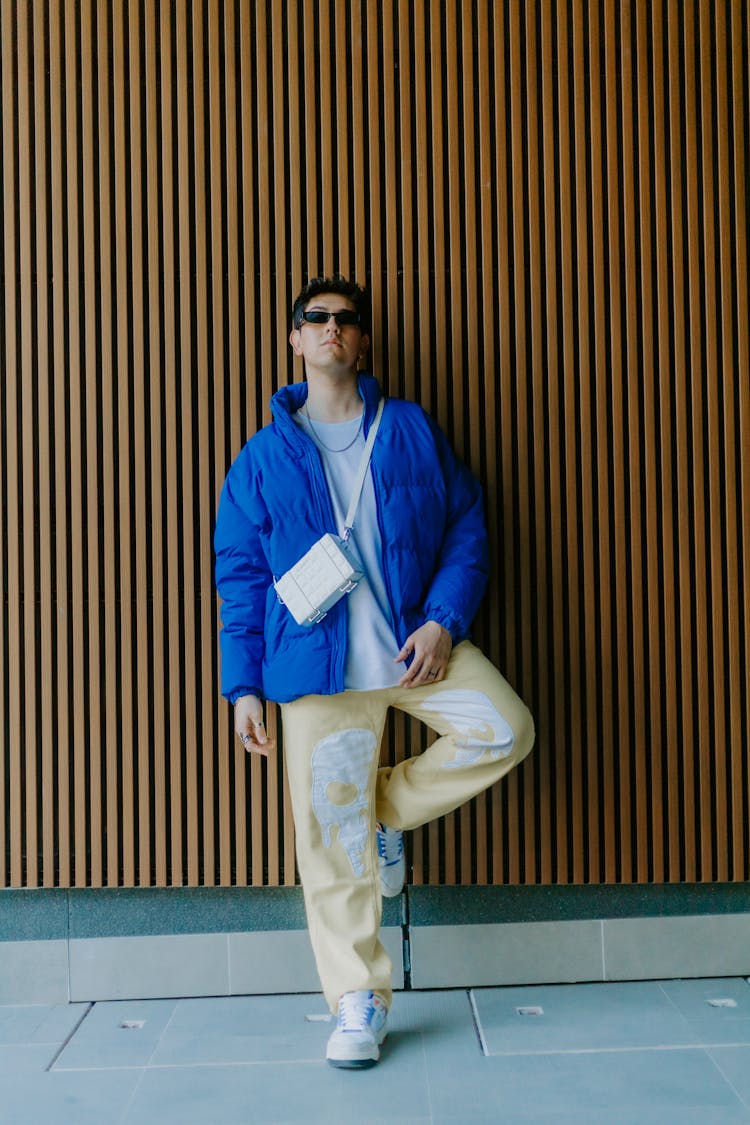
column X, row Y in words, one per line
column 431, row 646
column 255, row 740
column 249, row 726
column 427, row 667
column 424, row 673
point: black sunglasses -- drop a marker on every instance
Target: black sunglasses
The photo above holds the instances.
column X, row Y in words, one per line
column 344, row 317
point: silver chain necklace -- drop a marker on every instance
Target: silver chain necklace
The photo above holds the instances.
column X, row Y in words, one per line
column 328, row 448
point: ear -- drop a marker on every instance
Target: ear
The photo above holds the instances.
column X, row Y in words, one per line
column 295, row 341
column 364, row 346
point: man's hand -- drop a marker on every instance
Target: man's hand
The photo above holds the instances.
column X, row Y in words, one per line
column 249, row 725
column 431, row 645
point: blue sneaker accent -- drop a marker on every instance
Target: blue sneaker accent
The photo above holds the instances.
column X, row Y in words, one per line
column 392, row 860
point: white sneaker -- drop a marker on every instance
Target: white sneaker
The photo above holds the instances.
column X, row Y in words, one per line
column 392, row 860
column 360, row 1030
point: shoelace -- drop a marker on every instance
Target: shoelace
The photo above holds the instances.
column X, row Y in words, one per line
column 390, row 846
column 353, row 1011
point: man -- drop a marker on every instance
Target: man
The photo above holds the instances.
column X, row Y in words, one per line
column 398, row 640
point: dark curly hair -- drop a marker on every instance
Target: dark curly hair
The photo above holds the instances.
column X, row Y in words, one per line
column 336, row 284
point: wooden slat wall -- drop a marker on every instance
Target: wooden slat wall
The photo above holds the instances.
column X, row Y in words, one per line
column 549, row 203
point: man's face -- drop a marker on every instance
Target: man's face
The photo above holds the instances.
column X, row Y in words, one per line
column 330, row 347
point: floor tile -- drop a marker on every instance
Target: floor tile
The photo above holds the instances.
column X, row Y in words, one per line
column 580, row 1017
column 25, row 1058
column 443, row 1020
column 682, row 1116
column 20, row 1023
column 93, row 1098
column 117, row 1033
column 245, row 1029
column 718, row 1010
column 280, row 1093
column 60, row 1022
column 734, row 1065
column 538, row 1087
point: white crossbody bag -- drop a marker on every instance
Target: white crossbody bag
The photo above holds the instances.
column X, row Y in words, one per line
column 327, row 572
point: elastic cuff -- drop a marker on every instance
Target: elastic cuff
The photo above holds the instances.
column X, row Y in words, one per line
column 239, row 692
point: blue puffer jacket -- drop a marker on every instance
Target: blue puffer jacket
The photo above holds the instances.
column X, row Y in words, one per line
column 275, row 505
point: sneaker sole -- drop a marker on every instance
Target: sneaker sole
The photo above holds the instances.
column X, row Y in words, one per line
column 352, row 1064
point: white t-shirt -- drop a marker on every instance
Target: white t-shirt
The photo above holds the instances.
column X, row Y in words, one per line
column 372, row 644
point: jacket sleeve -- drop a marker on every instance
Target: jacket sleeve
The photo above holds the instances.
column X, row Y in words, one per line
column 242, row 580
column 460, row 578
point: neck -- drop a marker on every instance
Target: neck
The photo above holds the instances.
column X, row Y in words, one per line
column 333, row 401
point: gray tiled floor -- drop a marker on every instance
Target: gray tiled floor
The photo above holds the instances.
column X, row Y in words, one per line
column 644, row 1052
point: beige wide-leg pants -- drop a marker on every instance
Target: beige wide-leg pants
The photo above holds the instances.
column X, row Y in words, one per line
column 331, row 747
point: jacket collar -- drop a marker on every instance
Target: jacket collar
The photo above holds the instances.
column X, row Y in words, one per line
column 289, row 399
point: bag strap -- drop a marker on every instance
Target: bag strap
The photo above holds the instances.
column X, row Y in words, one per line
column 359, row 481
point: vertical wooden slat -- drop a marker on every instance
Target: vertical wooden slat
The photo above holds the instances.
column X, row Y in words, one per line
column 541, row 860
column 522, row 410
column 76, row 448
column 213, row 391
column 175, row 736
column 581, row 424
column 610, row 433
column 247, row 86
column 12, row 457
column 728, row 446
column 740, row 99
column 26, row 428
column 486, row 400
column 44, row 445
column 552, row 653
column 6, row 87
column 716, row 810
column 281, row 203
column 601, row 609
column 665, row 484
column 189, row 729
column 569, row 422
column 409, row 375
column 696, row 358
column 230, row 202
column 647, row 665
column 630, row 619
column 471, row 349
column 682, row 449
column 138, row 452
column 154, row 402
column 111, row 733
column 310, row 159
column 122, row 428
column 204, row 192
column 504, row 547
column 63, row 615
column 91, row 440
